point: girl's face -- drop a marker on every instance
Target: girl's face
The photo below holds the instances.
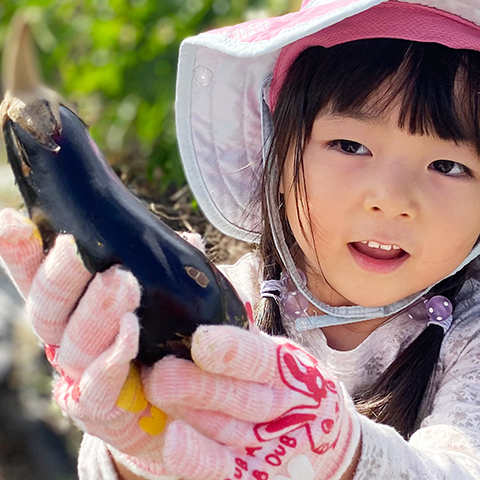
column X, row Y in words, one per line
column 389, row 213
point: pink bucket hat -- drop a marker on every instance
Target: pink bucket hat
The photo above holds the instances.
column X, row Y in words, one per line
column 224, row 92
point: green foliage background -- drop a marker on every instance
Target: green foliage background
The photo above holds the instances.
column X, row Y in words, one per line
column 116, row 60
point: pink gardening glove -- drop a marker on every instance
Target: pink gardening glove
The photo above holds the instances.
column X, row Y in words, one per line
column 269, row 410
column 91, row 336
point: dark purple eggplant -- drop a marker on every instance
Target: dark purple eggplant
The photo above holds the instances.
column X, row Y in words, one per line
column 68, row 187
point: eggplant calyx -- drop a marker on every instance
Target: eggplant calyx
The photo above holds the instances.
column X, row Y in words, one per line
column 27, row 101
column 39, row 117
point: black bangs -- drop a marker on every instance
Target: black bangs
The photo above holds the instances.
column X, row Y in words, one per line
column 436, row 88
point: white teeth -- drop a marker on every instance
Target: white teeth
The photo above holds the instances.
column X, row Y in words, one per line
column 373, row 244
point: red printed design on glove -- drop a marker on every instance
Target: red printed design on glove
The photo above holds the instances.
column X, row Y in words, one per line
column 249, row 309
column 65, row 389
column 51, row 354
column 299, row 371
column 275, row 458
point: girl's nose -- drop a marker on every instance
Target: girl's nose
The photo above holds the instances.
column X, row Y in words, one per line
column 393, row 194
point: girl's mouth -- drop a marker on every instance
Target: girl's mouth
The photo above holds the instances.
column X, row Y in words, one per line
column 376, row 257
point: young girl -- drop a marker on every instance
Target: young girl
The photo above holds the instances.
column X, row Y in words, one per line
column 366, row 205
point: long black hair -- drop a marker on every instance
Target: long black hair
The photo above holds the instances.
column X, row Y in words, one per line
column 437, row 90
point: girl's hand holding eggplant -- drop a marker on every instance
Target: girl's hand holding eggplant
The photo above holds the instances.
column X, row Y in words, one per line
column 91, row 334
column 269, row 410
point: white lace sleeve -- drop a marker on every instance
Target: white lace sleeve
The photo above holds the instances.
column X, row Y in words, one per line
column 244, row 276
column 94, row 461
column 447, row 444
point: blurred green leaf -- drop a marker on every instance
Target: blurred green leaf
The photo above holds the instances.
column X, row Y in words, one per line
column 116, row 60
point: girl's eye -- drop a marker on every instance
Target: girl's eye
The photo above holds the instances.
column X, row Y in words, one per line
column 348, row 146
column 450, row 168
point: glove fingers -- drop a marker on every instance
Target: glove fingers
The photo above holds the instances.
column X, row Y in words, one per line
column 56, row 288
column 21, row 248
column 94, row 324
column 188, row 454
column 236, row 353
column 255, row 357
column 218, row 426
column 175, row 382
column 111, row 375
column 99, row 387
